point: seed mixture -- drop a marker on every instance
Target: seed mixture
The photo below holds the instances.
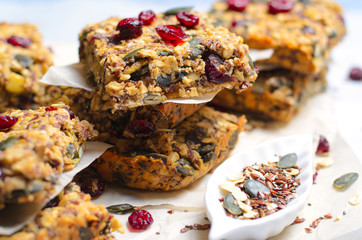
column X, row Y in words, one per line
column 261, row 189
column 196, row 226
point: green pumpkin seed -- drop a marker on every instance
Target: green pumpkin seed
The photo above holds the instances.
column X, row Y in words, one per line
column 121, row 208
column 174, row 11
column 233, row 139
column 344, row 181
column 164, row 81
column 132, row 53
column 153, row 99
column 230, row 206
column 196, row 48
column 7, row 143
column 184, row 167
column 251, row 62
column 137, row 75
column 253, row 187
column 209, row 156
column 287, row 161
column 84, row 233
column 332, row 34
column 24, row 60
column 163, row 53
column 72, row 151
column 206, row 149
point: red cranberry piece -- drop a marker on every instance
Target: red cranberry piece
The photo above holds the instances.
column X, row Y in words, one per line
column 129, row 28
column 171, row 34
column 147, row 17
column 142, row 127
column 315, row 177
column 7, row 121
column 323, row 145
column 187, row 19
column 212, row 71
column 280, row 6
column 91, row 183
column 19, row 41
column 140, row 219
column 50, row 108
column 238, row 5
column 71, row 114
column 355, row 73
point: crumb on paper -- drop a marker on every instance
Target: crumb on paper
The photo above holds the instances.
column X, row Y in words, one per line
column 355, row 200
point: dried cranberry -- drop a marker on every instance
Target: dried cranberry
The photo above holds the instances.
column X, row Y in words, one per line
column 129, row 28
column 147, row 17
column 50, row 108
column 19, row 41
column 315, row 177
column 187, row 19
column 171, row 34
column 91, row 182
column 52, row 203
column 238, row 5
column 355, row 73
column 323, row 145
column 212, row 71
column 140, row 219
column 142, row 127
column 280, row 6
column 7, row 122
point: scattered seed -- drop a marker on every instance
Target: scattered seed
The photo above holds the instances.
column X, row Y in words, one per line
column 328, row 216
column 308, row 230
column 170, row 211
column 298, row 220
column 344, row 181
column 344, row 213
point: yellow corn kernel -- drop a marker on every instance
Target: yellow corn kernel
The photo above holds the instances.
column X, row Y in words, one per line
column 15, row 84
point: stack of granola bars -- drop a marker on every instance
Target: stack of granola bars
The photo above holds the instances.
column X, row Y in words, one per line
column 135, row 65
column 301, row 35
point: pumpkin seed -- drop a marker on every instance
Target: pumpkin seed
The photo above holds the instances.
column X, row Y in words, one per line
column 163, row 53
column 332, row 34
column 230, row 206
column 209, row 156
column 287, row 161
column 305, row 2
column 132, row 53
column 84, row 233
column 218, row 22
column 7, row 143
column 164, row 81
column 153, row 99
column 233, row 139
column 24, row 60
column 140, row 73
column 120, row 208
column 163, row 158
column 72, row 151
column 253, row 187
column 195, row 135
column 196, row 48
column 346, row 180
column 174, row 11
column 251, row 62
column 206, row 149
column 184, row 167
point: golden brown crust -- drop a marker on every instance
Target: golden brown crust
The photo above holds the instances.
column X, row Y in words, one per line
column 170, row 160
column 301, row 39
column 159, row 71
column 277, row 95
column 37, row 149
column 74, row 217
column 21, row 67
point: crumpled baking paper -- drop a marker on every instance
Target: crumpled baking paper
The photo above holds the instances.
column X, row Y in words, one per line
column 16, row 216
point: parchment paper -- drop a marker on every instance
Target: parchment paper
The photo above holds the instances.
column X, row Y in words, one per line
column 317, row 117
column 15, row 216
column 72, row 75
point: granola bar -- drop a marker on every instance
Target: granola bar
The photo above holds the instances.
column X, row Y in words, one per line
column 23, row 61
column 137, row 122
column 71, row 215
column 38, row 146
column 149, row 69
column 277, row 95
column 173, row 159
column 301, row 38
